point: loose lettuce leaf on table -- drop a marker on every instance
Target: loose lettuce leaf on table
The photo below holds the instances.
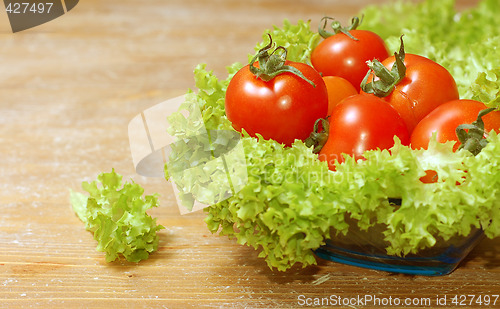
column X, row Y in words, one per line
column 117, row 217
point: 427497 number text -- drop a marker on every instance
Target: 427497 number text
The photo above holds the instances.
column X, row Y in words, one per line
column 29, row 8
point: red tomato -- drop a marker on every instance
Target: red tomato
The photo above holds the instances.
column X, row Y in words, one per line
column 338, row 89
column 340, row 55
column 444, row 120
column 284, row 108
column 425, row 86
column 359, row 123
column 447, row 117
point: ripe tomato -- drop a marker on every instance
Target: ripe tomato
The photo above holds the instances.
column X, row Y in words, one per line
column 359, row 123
column 338, row 89
column 341, row 55
column 284, row 108
column 445, row 118
column 426, row 86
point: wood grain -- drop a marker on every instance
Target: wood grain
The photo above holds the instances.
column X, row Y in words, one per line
column 68, row 89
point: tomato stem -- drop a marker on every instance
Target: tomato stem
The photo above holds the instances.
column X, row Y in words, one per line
column 471, row 136
column 337, row 27
column 273, row 64
column 319, row 135
column 383, row 80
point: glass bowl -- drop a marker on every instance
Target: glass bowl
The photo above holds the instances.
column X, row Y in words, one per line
column 366, row 248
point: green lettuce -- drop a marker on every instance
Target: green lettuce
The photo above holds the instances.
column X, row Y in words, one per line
column 466, row 195
column 285, row 209
column 117, row 217
column 291, row 203
column 464, row 42
column 299, row 40
column 486, row 88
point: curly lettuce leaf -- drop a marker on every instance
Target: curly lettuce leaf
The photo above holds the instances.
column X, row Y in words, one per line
column 292, row 202
column 426, row 210
column 208, row 100
column 117, row 217
column 464, row 42
column 285, row 210
column 483, row 189
column 486, row 88
column 191, row 164
column 298, row 39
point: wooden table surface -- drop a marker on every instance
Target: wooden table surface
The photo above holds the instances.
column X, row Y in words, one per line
column 68, row 89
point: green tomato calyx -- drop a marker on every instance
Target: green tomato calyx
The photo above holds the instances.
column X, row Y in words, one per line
column 319, row 135
column 337, row 27
column 273, row 64
column 471, row 136
column 383, row 80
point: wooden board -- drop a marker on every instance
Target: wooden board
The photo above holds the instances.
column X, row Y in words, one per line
column 68, row 89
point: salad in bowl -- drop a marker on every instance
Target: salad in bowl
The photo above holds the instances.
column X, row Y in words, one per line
column 374, row 144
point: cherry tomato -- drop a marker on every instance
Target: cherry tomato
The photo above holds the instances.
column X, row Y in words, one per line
column 445, row 118
column 340, row 55
column 426, row 86
column 359, row 123
column 338, row 89
column 284, row 108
